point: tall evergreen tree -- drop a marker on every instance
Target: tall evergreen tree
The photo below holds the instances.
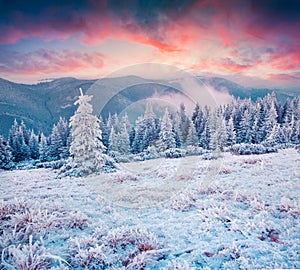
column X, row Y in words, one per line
column 34, row 145
column 145, row 131
column 6, row 162
column 166, row 134
column 43, row 149
column 231, row 133
column 192, row 138
column 20, row 150
column 86, row 150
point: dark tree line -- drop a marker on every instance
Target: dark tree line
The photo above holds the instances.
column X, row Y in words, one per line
column 265, row 122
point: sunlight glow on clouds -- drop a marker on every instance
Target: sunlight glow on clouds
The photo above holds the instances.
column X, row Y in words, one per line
column 253, row 38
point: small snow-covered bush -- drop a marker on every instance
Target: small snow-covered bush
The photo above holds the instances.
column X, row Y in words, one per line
column 55, row 164
column 211, row 155
column 183, row 202
column 120, row 158
column 28, row 256
column 19, row 220
column 6, row 159
column 151, row 153
column 250, row 149
column 128, row 247
column 194, row 150
column 174, row 153
column 297, row 147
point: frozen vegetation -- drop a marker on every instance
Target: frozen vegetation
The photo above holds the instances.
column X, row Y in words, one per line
column 235, row 212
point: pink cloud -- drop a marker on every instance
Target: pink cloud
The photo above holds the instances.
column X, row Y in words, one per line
column 48, row 62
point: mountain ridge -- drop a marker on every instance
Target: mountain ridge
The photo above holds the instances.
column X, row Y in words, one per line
column 40, row 105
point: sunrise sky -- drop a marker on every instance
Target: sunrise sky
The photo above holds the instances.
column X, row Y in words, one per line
column 252, row 42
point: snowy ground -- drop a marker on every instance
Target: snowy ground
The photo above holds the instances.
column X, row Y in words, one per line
column 239, row 212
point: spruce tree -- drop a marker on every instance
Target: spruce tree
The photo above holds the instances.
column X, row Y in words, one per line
column 192, row 138
column 6, row 162
column 86, row 150
column 166, row 134
column 231, row 133
column 34, row 145
column 43, row 148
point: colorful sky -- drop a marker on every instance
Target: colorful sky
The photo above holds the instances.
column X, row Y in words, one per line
column 255, row 42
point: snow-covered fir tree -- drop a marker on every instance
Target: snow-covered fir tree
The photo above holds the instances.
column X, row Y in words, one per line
column 166, row 134
column 192, row 138
column 217, row 132
column 86, row 150
column 231, row 133
column 123, row 140
column 145, row 131
column 6, row 162
column 113, row 141
column 34, row 145
column 43, row 148
column 59, row 140
column 20, row 150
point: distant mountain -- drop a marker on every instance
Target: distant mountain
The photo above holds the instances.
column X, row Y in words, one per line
column 41, row 105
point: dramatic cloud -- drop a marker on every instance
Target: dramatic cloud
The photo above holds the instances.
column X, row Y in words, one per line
column 251, row 37
column 47, row 62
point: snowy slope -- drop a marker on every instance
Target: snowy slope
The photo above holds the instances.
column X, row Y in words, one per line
column 239, row 212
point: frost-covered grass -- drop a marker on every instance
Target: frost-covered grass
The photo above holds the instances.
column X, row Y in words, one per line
column 237, row 212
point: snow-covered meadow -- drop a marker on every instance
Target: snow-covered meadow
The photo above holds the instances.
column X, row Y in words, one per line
column 239, row 212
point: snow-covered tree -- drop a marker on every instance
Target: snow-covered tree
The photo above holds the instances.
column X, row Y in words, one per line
column 145, row 131
column 244, row 130
column 166, row 134
column 43, row 148
column 6, row 162
column 192, row 138
column 20, row 150
column 123, row 140
column 59, row 140
column 217, row 132
column 231, row 133
column 34, row 145
column 271, row 120
column 113, row 141
column 86, row 150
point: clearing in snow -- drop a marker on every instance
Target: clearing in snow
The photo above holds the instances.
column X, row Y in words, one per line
column 239, row 213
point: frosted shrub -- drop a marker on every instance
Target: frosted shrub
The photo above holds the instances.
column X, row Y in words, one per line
column 131, row 247
column 249, row 149
column 28, row 256
column 194, row 150
column 150, row 153
column 129, row 242
column 120, row 158
column 174, row 153
column 183, row 202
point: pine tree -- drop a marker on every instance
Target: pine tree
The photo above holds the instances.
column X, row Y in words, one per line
column 273, row 137
column 231, row 134
column 105, row 132
column 59, row 141
column 183, row 124
column 113, row 141
column 145, row 131
column 34, row 145
column 192, row 138
column 166, row 134
column 217, row 132
column 43, row 148
column 6, row 162
column 86, row 150
column 244, row 131
column 271, row 120
column 20, row 150
column 123, row 140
